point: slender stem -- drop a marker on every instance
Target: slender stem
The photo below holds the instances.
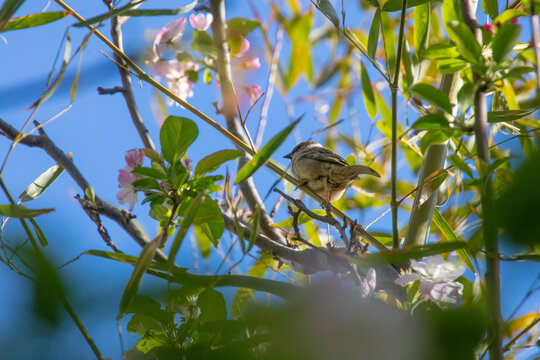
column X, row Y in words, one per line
column 394, row 90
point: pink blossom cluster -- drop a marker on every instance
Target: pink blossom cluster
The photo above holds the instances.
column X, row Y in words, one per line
column 175, row 72
column 127, row 193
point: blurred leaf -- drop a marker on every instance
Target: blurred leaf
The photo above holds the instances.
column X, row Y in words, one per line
column 188, row 218
column 508, row 15
column 126, row 11
column 8, row 9
column 143, row 324
column 264, row 153
column 300, row 59
column 395, row 5
column 41, row 237
column 326, row 7
column 302, row 219
column 213, row 161
column 451, row 11
column 158, row 212
column 34, row 190
column 240, row 27
column 441, row 51
column 18, row 211
column 405, row 254
column 141, row 266
column 203, row 241
column 374, row 30
column 431, row 121
column 449, row 66
column 367, row 92
column 449, row 234
column 509, row 115
column 48, row 295
column 519, row 324
column 176, row 135
column 491, row 8
column 254, row 229
column 432, row 95
column 460, row 164
column 243, row 295
column 422, row 19
column 388, row 28
column 517, row 205
column 505, row 38
column 465, row 41
column 33, row 20
column 202, row 42
column 212, row 305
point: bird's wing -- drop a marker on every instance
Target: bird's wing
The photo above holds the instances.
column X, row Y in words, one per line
column 325, row 155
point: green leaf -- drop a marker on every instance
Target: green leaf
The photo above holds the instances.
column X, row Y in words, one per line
column 240, row 27
column 395, row 5
column 212, row 305
column 449, row 234
column 141, row 266
column 210, row 219
column 33, row 20
column 405, row 254
column 8, row 9
column 127, row 11
column 265, row 153
column 326, row 7
column 465, row 41
column 202, row 42
column 213, row 161
column 373, row 38
column 449, row 66
column 389, row 43
column 431, row 121
column 465, row 96
column 491, row 8
column 150, row 172
column 508, row 15
column 509, row 115
column 302, row 219
column 176, row 134
column 18, row 211
column 41, row 237
column 367, row 92
column 422, row 20
column 506, row 37
column 441, row 51
column 451, row 11
column 203, row 241
column 300, row 59
column 158, row 211
column 460, row 164
column 34, row 190
column 188, row 217
column 430, row 185
column 432, row 95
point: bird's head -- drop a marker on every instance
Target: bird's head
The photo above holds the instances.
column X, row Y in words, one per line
column 301, row 147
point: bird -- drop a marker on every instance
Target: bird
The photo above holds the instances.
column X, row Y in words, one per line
column 323, row 171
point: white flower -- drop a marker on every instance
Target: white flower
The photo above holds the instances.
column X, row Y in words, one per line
column 368, row 284
column 436, row 279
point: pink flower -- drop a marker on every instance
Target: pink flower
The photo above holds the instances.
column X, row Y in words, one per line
column 134, row 158
column 244, row 48
column 172, row 31
column 126, row 178
column 488, row 28
column 127, row 195
column 178, row 81
column 254, row 92
column 201, row 22
column 514, row 20
column 251, row 63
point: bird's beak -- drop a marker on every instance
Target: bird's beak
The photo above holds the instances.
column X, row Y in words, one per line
column 288, row 156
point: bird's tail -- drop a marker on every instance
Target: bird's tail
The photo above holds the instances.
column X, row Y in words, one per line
column 351, row 172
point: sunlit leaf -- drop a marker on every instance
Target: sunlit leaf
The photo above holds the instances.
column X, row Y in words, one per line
column 213, row 161
column 432, row 95
column 395, row 5
column 465, row 41
column 520, row 323
column 441, row 51
column 176, row 135
column 460, row 164
column 491, row 8
column 33, row 20
column 240, row 27
column 264, row 153
column 8, row 9
column 509, row 115
column 508, row 15
column 422, row 19
column 431, row 121
column 34, row 190
column 300, row 59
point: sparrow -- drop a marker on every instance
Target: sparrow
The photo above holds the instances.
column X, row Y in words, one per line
column 323, row 171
